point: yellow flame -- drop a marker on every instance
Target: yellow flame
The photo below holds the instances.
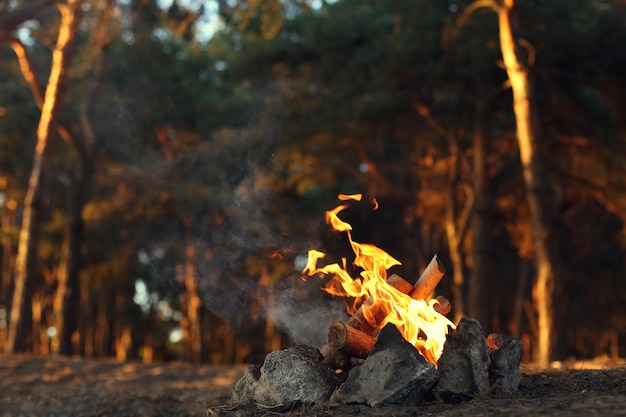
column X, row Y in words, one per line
column 345, row 197
column 335, row 222
column 417, row 320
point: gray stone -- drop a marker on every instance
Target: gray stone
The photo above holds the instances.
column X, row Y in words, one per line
column 393, row 373
column 506, row 356
column 245, row 388
column 464, row 364
column 290, row 376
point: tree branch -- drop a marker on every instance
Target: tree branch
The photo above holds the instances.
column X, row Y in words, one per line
column 466, row 212
column 103, row 38
column 30, row 75
column 598, row 193
column 9, row 22
column 452, row 31
column 474, row 7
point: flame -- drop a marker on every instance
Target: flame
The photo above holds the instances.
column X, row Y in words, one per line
column 416, row 320
column 345, row 197
column 357, row 197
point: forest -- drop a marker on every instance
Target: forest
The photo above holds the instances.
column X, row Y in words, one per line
column 165, row 166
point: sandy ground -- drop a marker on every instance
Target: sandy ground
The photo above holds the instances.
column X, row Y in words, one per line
column 31, row 386
column 60, row 386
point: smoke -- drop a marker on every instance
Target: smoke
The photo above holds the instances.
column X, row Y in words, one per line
column 299, row 309
column 254, row 223
column 304, row 312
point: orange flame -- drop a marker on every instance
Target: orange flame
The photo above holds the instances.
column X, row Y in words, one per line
column 345, row 197
column 416, row 320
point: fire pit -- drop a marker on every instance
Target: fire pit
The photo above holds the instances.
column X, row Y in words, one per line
column 397, row 347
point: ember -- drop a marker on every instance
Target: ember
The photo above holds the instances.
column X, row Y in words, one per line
column 377, row 300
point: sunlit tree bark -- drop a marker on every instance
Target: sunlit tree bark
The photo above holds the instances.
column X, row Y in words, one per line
column 191, row 300
column 66, row 301
column 7, row 224
column 456, row 229
column 456, row 221
column 20, row 328
column 537, row 188
column 538, row 191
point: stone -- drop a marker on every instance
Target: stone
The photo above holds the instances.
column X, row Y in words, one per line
column 287, row 377
column 506, row 355
column 245, row 388
column 393, row 373
column 464, row 364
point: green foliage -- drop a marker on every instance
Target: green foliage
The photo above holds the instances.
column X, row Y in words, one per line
column 250, row 136
column 18, row 121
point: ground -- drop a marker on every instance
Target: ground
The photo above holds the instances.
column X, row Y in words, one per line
column 31, row 386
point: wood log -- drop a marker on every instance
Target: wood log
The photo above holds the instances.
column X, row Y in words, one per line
column 345, row 341
column 349, row 340
column 339, row 359
column 443, row 306
column 427, row 282
column 353, row 338
column 358, row 320
column 335, row 359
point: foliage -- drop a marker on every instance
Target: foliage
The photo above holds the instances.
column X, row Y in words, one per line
column 250, row 136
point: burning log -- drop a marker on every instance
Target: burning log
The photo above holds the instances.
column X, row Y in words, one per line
column 354, row 338
column 429, row 279
column 380, row 303
column 442, row 306
column 377, row 311
column 337, row 354
column 425, row 284
column 349, row 340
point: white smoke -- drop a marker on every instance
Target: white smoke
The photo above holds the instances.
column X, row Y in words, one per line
column 304, row 312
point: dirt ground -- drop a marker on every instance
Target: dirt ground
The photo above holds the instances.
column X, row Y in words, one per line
column 31, row 386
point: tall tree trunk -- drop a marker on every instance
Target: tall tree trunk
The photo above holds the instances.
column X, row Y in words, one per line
column 272, row 337
column 66, row 302
column 454, row 237
column 482, row 228
column 455, row 223
column 7, row 222
column 193, row 342
column 20, row 328
column 67, row 297
column 515, row 327
column 537, row 189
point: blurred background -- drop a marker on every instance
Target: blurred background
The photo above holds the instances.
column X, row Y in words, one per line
column 166, row 165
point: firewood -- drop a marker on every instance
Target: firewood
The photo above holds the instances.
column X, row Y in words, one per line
column 358, row 320
column 354, row 338
column 336, row 359
column 442, row 306
column 349, row 340
column 429, row 279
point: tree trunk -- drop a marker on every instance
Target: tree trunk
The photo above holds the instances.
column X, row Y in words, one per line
column 67, row 299
column 454, row 240
column 272, row 337
column 66, row 303
column 20, row 328
column 535, row 179
column 455, row 225
column 193, row 342
column 456, row 228
column 515, row 327
column 482, row 229
column 7, row 222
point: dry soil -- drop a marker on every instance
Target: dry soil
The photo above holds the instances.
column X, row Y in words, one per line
column 33, row 386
